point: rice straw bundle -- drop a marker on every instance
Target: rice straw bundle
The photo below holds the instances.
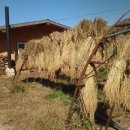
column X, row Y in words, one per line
column 89, row 95
column 115, row 76
column 66, row 51
column 125, row 93
column 117, row 88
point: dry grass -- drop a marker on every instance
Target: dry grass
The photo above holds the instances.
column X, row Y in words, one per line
column 35, row 108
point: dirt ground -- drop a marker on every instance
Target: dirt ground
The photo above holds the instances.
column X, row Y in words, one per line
column 34, row 106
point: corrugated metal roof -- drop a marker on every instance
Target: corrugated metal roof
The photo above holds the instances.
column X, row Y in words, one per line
column 35, row 23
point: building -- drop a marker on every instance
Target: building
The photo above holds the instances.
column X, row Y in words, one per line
column 21, row 33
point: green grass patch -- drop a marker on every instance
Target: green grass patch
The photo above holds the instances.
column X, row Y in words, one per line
column 52, row 95
column 66, row 100
column 59, row 94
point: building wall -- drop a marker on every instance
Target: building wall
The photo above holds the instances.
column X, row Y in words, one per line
column 25, row 34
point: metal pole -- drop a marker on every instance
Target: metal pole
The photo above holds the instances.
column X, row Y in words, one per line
column 8, row 36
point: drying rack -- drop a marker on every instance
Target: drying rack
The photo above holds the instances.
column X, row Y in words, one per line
column 125, row 25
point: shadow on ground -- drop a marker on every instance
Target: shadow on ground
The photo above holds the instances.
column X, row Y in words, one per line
column 66, row 88
column 101, row 117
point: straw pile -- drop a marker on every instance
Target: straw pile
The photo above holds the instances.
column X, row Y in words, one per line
column 66, row 53
column 117, row 88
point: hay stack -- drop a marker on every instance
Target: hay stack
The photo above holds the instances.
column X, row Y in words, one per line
column 117, row 88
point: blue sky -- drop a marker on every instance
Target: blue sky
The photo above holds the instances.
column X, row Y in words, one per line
column 68, row 12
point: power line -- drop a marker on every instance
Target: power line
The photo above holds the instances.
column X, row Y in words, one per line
column 90, row 14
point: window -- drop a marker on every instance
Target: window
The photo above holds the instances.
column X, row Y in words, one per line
column 20, row 46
